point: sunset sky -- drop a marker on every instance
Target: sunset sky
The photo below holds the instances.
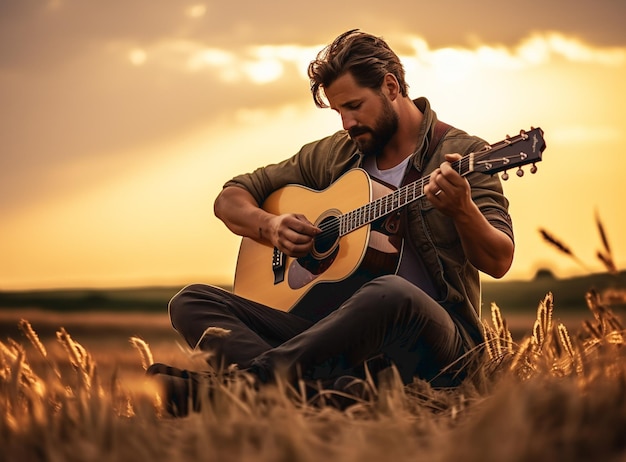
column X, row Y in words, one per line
column 121, row 120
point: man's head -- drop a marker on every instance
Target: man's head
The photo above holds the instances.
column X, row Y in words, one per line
column 366, row 57
column 366, row 113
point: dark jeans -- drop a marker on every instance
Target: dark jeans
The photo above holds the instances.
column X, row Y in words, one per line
column 388, row 317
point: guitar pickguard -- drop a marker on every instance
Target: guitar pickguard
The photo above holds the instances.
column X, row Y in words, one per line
column 306, row 269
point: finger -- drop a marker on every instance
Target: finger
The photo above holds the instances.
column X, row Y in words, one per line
column 445, row 183
column 295, row 248
column 447, row 170
column 440, row 181
column 449, row 177
column 433, row 193
column 453, row 157
column 432, row 187
column 304, row 226
column 290, row 236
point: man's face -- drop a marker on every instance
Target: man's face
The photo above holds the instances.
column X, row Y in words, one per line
column 366, row 114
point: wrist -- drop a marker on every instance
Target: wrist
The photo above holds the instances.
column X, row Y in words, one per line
column 467, row 214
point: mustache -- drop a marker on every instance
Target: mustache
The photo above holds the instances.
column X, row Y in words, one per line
column 356, row 131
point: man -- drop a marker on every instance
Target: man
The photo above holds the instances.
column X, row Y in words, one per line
column 424, row 320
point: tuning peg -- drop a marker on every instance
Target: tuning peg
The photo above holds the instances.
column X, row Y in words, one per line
column 533, row 169
column 505, row 176
column 520, row 172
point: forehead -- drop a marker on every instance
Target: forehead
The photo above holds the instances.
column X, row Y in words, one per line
column 345, row 90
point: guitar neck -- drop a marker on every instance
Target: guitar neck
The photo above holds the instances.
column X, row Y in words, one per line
column 520, row 150
column 389, row 203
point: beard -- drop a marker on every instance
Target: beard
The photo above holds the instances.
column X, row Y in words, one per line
column 385, row 128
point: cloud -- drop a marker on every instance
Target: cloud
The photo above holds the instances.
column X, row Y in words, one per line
column 535, row 50
column 41, row 35
column 541, row 47
column 259, row 64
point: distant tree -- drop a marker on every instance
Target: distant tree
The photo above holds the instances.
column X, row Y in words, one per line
column 544, row 273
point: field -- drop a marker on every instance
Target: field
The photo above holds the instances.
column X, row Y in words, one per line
column 552, row 387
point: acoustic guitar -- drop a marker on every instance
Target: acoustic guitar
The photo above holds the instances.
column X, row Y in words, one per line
column 359, row 219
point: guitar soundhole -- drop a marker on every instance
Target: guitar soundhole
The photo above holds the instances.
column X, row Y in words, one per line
column 325, row 249
column 327, row 240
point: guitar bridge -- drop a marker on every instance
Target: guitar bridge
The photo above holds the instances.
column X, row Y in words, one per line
column 278, row 266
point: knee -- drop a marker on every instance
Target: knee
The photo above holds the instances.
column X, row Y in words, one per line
column 390, row 290
column 179, row 300
column 187, row 298
column 383, row 296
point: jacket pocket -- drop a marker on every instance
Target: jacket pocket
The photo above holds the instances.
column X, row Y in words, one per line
column 436, row 226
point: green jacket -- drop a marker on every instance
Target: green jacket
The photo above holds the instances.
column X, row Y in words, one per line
column 433, row 235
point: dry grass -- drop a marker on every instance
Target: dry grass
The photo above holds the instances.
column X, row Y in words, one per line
column 552, row 396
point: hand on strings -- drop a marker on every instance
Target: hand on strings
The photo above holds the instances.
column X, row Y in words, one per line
column 293, row 234
column 447, row 190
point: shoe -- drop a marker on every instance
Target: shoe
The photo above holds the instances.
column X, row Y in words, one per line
column 177, row 388
column 183, row 391
column 347, row 391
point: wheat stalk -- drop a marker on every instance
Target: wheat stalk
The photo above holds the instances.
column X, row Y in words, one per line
column 605, row 256
column 144, row 351
column 498, row 339
column 32, row 336
column 503, row 334
column 213, row 331
column 79, row 357
column 561, row 247
column 565, row 339
column 14, row 359
column 521, row 357
column 489, row 335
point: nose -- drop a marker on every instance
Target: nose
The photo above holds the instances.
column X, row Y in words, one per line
column 348, row 121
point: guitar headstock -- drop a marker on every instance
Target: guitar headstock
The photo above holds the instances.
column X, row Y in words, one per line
column 523, row 149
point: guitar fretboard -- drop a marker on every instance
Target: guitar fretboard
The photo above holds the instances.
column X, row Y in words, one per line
column 391, row 202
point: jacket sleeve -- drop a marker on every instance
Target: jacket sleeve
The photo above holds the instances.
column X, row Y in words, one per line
column 487, row 192
column 314, row 166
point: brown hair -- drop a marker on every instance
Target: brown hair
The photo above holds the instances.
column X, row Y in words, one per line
column 366, row 57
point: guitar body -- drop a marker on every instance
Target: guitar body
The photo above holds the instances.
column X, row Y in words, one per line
column 317, row 284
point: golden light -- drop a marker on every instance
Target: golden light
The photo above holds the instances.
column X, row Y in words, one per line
column 263, row 71
column 196, row 11
column 199, row 59
column 137, row 57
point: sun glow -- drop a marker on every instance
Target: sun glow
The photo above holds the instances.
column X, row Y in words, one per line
column 196, row 11
column 264, row 71
column 137, row 56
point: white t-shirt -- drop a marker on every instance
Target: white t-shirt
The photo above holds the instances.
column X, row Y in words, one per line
column 411, row 265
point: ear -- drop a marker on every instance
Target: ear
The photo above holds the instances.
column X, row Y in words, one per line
column 390, row 86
